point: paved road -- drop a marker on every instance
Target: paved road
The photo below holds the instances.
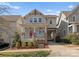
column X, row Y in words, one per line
column 63, row 50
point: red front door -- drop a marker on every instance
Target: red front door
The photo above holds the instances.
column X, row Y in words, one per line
column 30, row 34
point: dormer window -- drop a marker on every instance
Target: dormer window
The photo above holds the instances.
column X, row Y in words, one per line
column 35, row 20
column 73, row 18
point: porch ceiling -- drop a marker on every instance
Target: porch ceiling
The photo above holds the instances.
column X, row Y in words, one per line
column 51, row 29
column 34, row 25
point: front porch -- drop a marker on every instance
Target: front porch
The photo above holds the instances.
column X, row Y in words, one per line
column 73, row 28
column 31, row 31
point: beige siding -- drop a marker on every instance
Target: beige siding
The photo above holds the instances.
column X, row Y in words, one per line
column 27, row 19
column 53, row 25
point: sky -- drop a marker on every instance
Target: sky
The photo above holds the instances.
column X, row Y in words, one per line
column 52, row 8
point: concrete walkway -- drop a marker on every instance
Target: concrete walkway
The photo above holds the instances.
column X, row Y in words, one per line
column 63, row 50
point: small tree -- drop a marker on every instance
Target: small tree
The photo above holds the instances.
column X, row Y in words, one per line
column 4, row 9
column 16, row 39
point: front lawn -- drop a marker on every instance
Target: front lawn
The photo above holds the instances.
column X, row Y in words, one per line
column 25, row 54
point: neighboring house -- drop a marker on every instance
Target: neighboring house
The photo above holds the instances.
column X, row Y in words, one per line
column 73, row 20
column 62, row 23
column 8, row 27
column 35, row 24
column 68, row 22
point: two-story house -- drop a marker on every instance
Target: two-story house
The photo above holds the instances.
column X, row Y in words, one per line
column 62, row 24
column 68, row 22
column 36, row 24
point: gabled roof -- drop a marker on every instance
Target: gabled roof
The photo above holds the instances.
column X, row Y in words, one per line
column 51, row 16
column 10, row 17
column 35, row 12
column 66, row 13
column 74, row 10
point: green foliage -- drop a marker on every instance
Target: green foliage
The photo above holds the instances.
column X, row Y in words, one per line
column 72, row 38
column 17, row 45
column 67, row 39
column 23, row 44
column 30, row 44
column 25, row 54
column 16, row 39
column 35, row 43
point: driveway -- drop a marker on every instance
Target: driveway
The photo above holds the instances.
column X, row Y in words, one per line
column 63, row 50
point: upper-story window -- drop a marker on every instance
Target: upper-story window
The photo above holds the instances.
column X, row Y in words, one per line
column 35, row 20
column 40, row 19
column 30, row 20
column 73, row 18
column 50, row 21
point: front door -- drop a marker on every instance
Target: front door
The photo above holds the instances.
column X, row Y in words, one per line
column 30, row 33
column 51, row 34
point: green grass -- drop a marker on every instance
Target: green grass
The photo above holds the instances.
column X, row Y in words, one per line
column 25, row 54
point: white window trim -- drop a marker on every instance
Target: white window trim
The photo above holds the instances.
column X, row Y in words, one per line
column 38, row 20
column 74, row 16
column 34, row 20
column 49, row 21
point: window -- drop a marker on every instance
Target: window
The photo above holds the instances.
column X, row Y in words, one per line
column 69, row 23
column 50, row 21
column 73, row 18
column 70, row 29
column 64, row 32
column 67, row 18
column 30, row 20
column 77, row 28
column 40, row 19
column 35, row 20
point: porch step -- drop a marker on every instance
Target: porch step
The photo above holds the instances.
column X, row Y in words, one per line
column 41, row 41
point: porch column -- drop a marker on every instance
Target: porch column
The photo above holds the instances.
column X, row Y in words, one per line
column 34, row 31
column 54, row 35
column 74, row 28
column 46, row 34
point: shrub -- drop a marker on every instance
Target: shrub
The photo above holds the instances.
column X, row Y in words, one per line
column 30, row 44
column 67, row 39
column 18, row 45
column 76, row 42
column 23, row 44
column 16, row 39
column 35, row 43
column 72, row 38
